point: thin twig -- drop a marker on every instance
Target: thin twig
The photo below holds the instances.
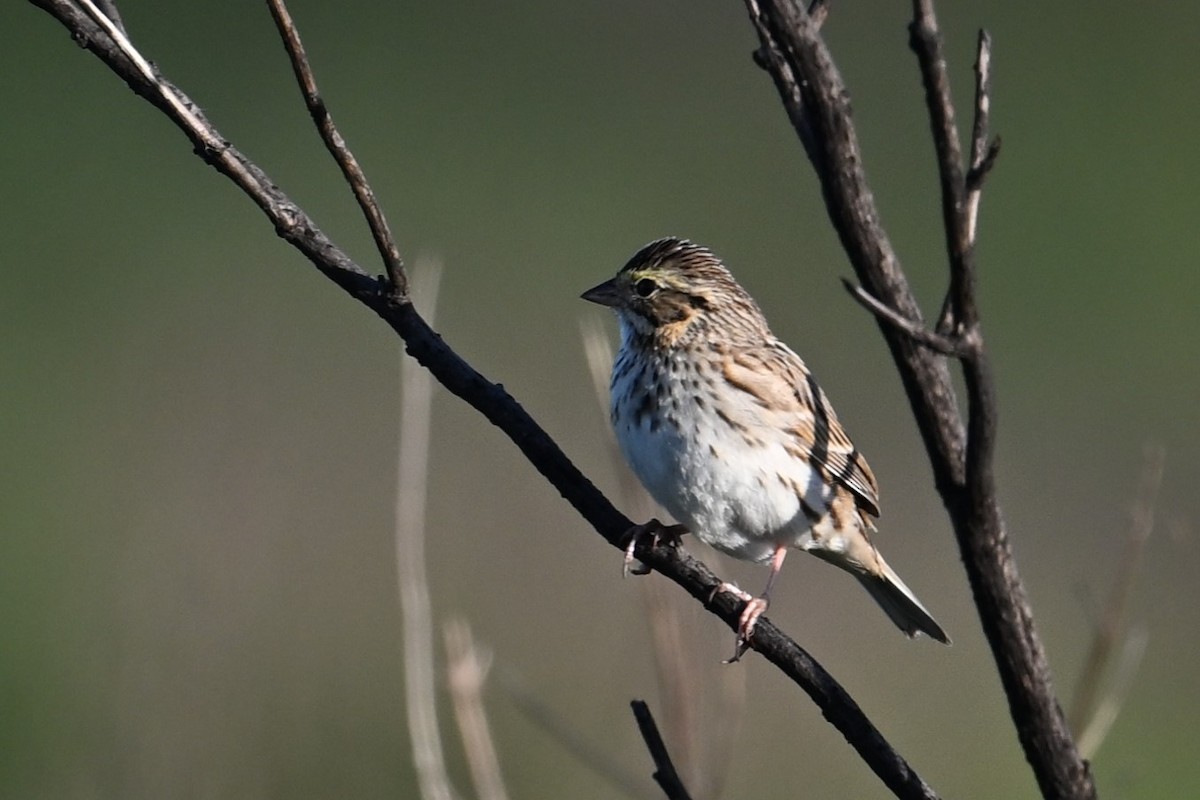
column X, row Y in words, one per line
column 179, row 104
column 466, row 671
column 983, row 154
column 109, row 8
column 702, row 702
column 771, row 57
column 925, row 38
column 936, row 342
column 664, row 771
column 416, row 391
column 382, row 234
column 983, row 99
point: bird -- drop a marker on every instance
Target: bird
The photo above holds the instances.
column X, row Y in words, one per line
column 729, row 432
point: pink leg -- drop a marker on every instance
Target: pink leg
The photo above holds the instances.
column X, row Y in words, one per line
column 755, row 606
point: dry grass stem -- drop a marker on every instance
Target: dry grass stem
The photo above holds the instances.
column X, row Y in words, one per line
column 416, row 392
column 1093, row 713
column 466, row 670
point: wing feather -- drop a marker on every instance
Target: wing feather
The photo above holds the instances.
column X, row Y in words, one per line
column 780, row 382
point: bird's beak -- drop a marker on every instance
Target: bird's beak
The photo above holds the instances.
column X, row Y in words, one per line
column 606, row 294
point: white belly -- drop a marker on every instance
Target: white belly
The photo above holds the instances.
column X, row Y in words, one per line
column 734, row 490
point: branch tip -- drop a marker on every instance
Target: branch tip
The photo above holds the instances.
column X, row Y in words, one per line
column 665, row 773
column 818, row 11
column 939, row 343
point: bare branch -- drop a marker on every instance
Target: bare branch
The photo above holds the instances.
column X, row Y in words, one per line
column 664, row 771
column 1000, row 597
column 977, row 174
column 384, row 242
column 816, row 100
column 983, row 99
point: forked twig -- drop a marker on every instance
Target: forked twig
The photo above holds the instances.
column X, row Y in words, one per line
column 983, row 152
column 1003, row 605
column 376, row 221
column 960, row 311
column 816, row 100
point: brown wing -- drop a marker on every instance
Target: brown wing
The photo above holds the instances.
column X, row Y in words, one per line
column 780, row 383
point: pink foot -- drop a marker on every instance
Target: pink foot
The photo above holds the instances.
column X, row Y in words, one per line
column 755, row 607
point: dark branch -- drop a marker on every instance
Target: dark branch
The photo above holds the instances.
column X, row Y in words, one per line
column 384, row 242
column 490, row 399
column 664, row 770
column 1000, row 597
column 816, row 100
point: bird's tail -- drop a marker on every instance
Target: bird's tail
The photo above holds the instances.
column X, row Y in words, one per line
column 851, row 549
column 898, row 601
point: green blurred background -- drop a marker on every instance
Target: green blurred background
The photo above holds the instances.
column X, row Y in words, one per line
column 197, row 591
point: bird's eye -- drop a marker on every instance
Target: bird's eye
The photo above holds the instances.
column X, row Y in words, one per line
column 645, row 287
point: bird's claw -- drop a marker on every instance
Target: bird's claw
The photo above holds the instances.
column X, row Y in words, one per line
column 669, row 534
column 630, row 565
column 755, row 607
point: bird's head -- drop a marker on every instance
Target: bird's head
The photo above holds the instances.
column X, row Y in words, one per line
column 672, row 289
